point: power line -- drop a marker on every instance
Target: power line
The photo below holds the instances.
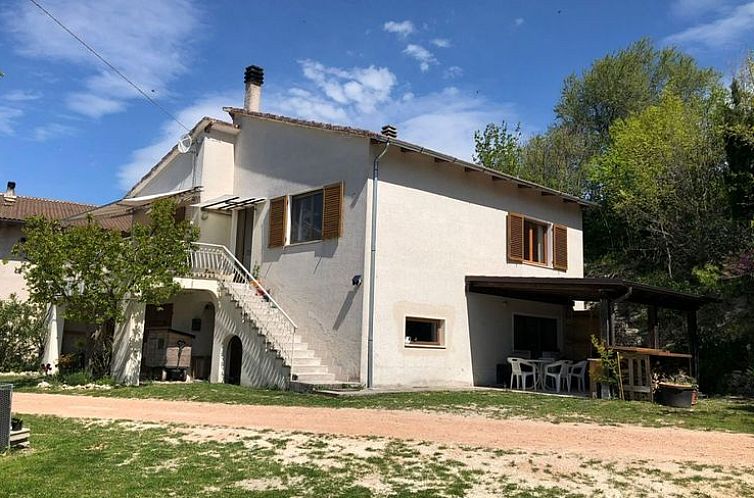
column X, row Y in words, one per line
column 114, row 69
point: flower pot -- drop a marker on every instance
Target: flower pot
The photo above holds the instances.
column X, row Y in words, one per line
column 16, row 424
column 677, row 396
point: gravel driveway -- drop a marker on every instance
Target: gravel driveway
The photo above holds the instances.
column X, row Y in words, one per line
column 616, row 442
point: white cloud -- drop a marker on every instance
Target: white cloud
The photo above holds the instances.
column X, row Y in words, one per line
column 402, row 28
column 686, row 9
column 519, row 21
column 443, row 120
column 148, row 41
column 20, row 96
column 50, row 131
column 421, row 54
column 724, row 31
column 143, row 159
column 452, row 72
column 441, row 42
column 92, row 105
column 7, row 117
column 361, row 87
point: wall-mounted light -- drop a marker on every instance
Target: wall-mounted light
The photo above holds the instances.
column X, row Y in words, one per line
column 356, row 280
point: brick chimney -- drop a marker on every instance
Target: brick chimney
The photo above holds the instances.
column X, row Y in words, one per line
column 253, row 79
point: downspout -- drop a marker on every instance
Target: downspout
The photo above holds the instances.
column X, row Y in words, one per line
column 372, row 263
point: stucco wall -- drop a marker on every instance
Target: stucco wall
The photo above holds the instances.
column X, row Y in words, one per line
column 312, row 281
column 176, row 175
column 438, row 224
column 10, row 281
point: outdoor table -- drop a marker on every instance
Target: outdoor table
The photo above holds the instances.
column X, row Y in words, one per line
column 540, row 364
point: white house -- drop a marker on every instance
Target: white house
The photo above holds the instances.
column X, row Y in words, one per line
column 383, row 259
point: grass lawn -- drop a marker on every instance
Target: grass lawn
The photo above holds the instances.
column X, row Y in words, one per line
column 709, row 414
column 77, row 459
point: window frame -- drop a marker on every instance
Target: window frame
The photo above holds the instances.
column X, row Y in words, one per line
column 440, row 332
column 289, row 235
column 558, row 325
column 547, row 245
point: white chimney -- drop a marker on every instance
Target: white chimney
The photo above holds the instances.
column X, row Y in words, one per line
column 253, row 79
column 9, row 196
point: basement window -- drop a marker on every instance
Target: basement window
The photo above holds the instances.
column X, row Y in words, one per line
column 424, row 332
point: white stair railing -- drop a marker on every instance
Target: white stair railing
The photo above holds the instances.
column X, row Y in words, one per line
column 217, row 262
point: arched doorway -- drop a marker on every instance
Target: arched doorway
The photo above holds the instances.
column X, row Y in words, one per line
column 233, row 361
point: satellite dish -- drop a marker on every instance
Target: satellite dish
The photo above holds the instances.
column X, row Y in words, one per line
column 184, row 144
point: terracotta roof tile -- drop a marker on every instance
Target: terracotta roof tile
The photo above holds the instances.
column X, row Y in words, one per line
column 24, row 207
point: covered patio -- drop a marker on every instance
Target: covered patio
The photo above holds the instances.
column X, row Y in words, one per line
column 577, row 323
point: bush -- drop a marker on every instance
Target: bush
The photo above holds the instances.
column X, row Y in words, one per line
column 22, row 334
column 79, row 378
column 741, row 382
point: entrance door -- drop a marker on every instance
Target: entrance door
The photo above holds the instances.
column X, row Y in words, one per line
column 233, row 361
column 244, row 230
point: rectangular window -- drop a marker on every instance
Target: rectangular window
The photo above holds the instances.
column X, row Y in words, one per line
column 306, row 217
column 535, row 334
column 535, row 242
column 424, row 332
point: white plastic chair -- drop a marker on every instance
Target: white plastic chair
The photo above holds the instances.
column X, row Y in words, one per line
column 519, row 375
column 578, row 370
column 558, row 372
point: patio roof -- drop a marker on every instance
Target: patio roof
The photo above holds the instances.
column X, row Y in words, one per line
column 565, row 290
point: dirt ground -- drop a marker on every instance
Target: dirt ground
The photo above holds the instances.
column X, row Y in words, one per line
column 627, row 443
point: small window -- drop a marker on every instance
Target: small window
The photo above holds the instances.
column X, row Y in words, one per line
column 424, row 332
column 535, row 242
column 306, row 217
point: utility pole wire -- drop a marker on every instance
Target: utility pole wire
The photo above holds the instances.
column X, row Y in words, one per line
column 113, row 68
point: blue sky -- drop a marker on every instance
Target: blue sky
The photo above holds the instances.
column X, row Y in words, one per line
column 70, row 129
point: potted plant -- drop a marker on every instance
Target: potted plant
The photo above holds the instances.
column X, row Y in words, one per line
column 678, row 390
column 607, row 375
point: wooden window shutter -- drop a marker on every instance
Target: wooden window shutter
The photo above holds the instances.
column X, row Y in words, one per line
column 515, row 238
column 560, row 247
column 332, row 211
column 278, row 221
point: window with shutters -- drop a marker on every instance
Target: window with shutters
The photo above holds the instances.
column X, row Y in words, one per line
column 315, row 215
column 537, row 242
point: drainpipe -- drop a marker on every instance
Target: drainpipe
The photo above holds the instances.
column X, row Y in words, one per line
column 372, row 262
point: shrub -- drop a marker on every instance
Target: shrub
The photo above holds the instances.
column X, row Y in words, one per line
column 741, row 382
column 79, row 378
column 22, row 334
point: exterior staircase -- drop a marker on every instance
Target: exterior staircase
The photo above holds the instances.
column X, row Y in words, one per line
column 265, row 315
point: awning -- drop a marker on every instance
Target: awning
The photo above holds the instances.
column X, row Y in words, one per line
column 127, row 205
column 566, row 290
column 229, row 202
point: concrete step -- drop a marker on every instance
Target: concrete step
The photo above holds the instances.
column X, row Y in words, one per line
column 306, row 362
column 309, row 369
column 303, row 354
column 316, row 379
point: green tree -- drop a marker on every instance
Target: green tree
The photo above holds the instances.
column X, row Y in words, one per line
column 93, row 272
column 22, row 334
column 499, row 149
column 661, row 177
column 626, row 82
column 739, row 142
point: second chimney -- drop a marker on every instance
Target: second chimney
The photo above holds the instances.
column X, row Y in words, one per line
column 253, row 79
column 10, row 193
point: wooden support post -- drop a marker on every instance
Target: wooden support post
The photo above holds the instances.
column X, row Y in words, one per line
column 606, row 320
column 654, row 336
column 691, row 326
